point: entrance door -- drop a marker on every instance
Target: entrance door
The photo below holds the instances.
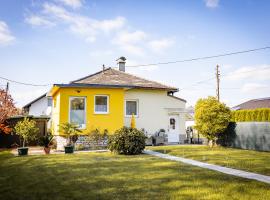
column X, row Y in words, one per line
column 173, row 135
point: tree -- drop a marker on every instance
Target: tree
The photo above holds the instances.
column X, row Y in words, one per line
column 70, row 131
column 211, row 118
column 26, row 129
column 7, row 109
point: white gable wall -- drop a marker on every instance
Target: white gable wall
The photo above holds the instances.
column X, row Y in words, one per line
column 154, row 109
column 40, row 107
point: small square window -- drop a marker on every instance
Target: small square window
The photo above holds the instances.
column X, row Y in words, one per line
column 131, row 107
column 49, row 102
column 101, row 104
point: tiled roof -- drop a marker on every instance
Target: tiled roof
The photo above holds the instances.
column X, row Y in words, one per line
column 253, row 104
column 115, row 78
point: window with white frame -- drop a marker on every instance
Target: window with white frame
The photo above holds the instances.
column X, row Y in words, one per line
column 101, row 104
column 131, row 107
column 77, row 111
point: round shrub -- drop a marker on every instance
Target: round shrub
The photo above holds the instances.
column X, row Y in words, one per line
column 128, row 141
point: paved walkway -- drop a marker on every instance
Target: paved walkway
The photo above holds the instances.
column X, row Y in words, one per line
column 225, row 170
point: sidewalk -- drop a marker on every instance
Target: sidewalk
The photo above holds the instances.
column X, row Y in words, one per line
column 225, row 170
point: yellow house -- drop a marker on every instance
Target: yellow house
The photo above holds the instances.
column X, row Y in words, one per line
column 107, row 100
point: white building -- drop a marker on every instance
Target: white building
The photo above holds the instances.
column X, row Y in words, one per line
column 41, row 106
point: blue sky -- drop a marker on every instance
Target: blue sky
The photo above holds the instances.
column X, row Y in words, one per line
column 56, row 41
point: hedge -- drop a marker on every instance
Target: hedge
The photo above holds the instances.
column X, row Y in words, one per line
column 256, row 115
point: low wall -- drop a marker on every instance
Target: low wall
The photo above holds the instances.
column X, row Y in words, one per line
column 247, row 135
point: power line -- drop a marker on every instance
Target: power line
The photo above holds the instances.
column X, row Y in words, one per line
column 23, row 83
column 228, row 74
column 202, row 58
column 159, row 63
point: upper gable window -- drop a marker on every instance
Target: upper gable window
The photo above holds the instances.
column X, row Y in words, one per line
column 77, row 111
column 101, row 104
column 49, row 101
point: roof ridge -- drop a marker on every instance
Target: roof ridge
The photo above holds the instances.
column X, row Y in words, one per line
column 145, row 79
column 90, row 75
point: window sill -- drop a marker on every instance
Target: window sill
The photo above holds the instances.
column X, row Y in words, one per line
column 129, row 116
column 101, row 113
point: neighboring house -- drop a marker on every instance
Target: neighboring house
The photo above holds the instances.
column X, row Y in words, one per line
column 189, row 117
column 40, row 106
column 253, row 104
column 107, row 100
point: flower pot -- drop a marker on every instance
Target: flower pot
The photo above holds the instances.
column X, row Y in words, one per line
column 23, row 151
column 47, row 150
column 69, row 149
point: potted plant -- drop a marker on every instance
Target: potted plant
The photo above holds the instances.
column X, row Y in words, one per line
column 28, row 131
column 46, row 141
column 70, row 132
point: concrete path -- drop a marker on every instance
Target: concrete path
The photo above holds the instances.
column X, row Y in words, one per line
column 225, row 170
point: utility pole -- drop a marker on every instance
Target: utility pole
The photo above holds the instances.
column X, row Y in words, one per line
column 218, row 81
column 7, row 87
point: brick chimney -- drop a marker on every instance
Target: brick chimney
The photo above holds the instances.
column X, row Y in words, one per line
column 121, row 62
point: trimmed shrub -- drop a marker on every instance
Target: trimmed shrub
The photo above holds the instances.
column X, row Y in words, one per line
column 256, row 115
column 128, row 141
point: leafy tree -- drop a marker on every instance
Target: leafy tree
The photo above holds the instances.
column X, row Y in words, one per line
column 211, row 118
column 70, row 131
column 26, row 129
column 7, row 109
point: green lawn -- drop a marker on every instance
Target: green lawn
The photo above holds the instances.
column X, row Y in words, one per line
column 109, row 176
column 253, row 161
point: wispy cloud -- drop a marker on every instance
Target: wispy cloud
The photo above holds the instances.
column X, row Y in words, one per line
column 116, row 30
column 130, row 41
column 72, row 3
column 36, row 20
column 5, row 35
column 83, row 26
column 255, row 88
column 260, row 73
column 211, row 3
column 160, row 45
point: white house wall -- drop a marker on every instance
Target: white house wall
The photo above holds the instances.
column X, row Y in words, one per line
column 40, row 107
column 153, row 110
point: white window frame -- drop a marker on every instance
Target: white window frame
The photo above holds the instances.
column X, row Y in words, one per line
column 137, row 107
column 108, row 106
column 85, row 108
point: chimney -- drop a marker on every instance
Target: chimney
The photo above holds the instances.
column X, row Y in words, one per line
column 121, row 62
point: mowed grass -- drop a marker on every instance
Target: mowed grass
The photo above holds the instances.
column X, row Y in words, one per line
column 109, row 176
column 249, row 160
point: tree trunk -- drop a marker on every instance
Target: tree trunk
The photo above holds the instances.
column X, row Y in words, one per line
column 212, row 143
column 23, row 142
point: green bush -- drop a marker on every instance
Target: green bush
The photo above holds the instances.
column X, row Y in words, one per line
column 128, row 141
column 256, row 115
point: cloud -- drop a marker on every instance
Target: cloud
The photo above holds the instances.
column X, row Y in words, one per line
column 211, row 3
column 130, row 41
column 80, row 25
column 72, row 3
column 160, row 45
column 255, row 88
column 117, row 31
column 36, row 20
column 5, row 35
column 261, row 72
